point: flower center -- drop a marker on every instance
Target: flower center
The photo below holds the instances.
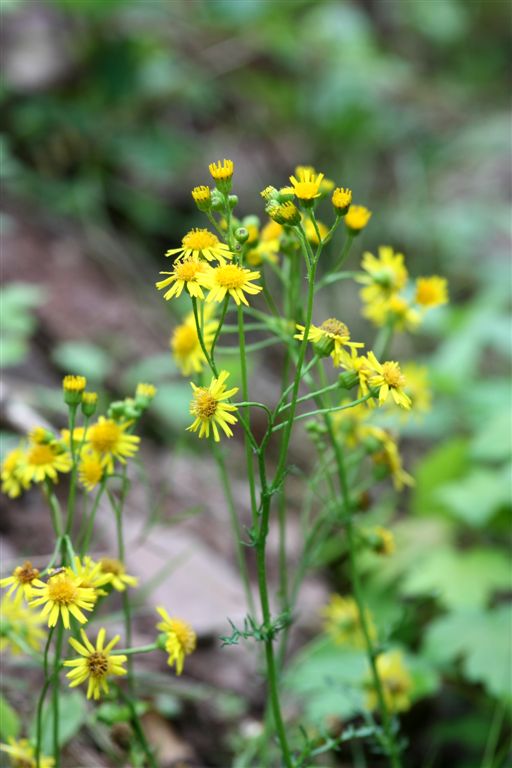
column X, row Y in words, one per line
column 104, row 436
column 25, row 573
column 336, row 327
column 392, row 374
column 91, row 470
column 394, row 685
column 184, row 340
column 40, row 455
column 204, row 404
column 187, row 270
column 198, row 239
column 109, row 565
column 98, row 664
column 62, row 591
column 184, row 635
column 230, row 276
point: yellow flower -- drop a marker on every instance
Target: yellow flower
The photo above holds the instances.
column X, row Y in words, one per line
column 89, row 403
column 63, row 595
column 386, row 274
column 357, row 218
column 44, row 461
column 234, row 280
column 91, row 574
column 388, row 455
column 90, row 470
column 388, row 379
column 395, row 310
column 201, row 244
column 381, row 540
column 209, row 410
column 109, row 440
column 14, row 480
column 222, row 170
column 327, row 184
column 117, row 572
column 96, row 664
column 329, row 338
column 180, row 641
column 17, row 620
column 431, row 291
column 395, row 680
column 271, row 231
column 202, row 197
column 22, row 754
column 357, row 365
column 145, row 390
column 285, row 214
column 307, row 186
column 309, row 229
column 266, row 250
column 74, row 383
column 342, row 621
column 21, row 578
column 341, row 199
column 185, row 345
column 190, row 274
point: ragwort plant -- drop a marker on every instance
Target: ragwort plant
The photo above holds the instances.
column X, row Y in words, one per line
column 265, row 279
column 221, row 270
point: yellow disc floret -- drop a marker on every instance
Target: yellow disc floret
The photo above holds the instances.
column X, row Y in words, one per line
column 234, row 280
column 210, row 410
column 180, row 639
column 96, row 664
column 63, row 595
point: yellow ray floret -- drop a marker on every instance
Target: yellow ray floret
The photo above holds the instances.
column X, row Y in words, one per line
column 90, row 470
column 23, row 755
column 386, row 274
column 21, row 578
column 190, row 273
column 395, row 680
column 233, row 280
column 25, row 624
column 180, row 641
column 307, row 186
column 431, row 291
column 330, row 338
column 209, row 409
column 45, row 460
column 185, row 345
column 108, row 439
column 342, row 621
column 96, row 664
column 357, row 218
column 222, row 170
column 14, row 476
column 117, row 572
column 63, row 596
column 388, row 379
column 201, row 243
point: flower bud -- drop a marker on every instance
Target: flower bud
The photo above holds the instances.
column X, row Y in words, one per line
column 89, row 403
column 241, row 235
column 233, row 201
column 73, row 387
column 217, row 200
column 348, row 379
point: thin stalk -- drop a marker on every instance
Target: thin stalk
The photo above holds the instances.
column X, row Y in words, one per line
column 344, row 252
column 246, row 412
column 140, row 649
column 321, row 411
column 383, row 341
column 207, row 355
column 55, row 694
column 55, row 509
column 92, row 516
column 42, row 695
column 72, row 483
column 219, row 326
column 137, row 727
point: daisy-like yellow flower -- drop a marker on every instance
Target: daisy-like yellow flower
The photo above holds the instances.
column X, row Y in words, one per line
column 232, row 279
column 326, row 186
column 431, row 291
column 395, row 680
column 14, row 479
column 341, row 199
column 381, row 540
column 201, row 244
column 385, row 274
column 358, row 366
column 96, row 665
column 62, row 596
column 329, row 338
column 73, row 387
column 180, row 641
column 387, row 455
column 45, row 460
column 210, row 411
column 342, row 622
column 222, row 170
column 388, row 379
column 91, row 574
column 309, row 229
column 190, row 273
column 25, row 624
column 185, row 345
column 285, row 214
column 108, row 439
column 395, row 310
column 21, row 578
column 356, row 219
column 117, row 572
column 307, row 186
column 91, row 469
column 22, row 754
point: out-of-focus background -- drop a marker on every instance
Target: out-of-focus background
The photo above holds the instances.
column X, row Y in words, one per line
column 112, row 110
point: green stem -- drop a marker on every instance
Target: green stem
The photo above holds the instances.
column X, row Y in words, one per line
column 55, row 509
column 344, row 252
column 134, row 651
column 137, row 727
column 235, row 525
column 209, row 360
column 92, row 516
column 311, row 395
column 383, row 341
column 321, row 411
column 72, row 483
column 56, row 693
column 42, row 695
column 246, row 412
column 219, row 326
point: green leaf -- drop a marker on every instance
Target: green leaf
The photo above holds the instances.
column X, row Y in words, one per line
column 482, row 639
column 458, row 579
column 110, row 712
column 72, row 716
column 13, row 350
column 448, row 462
column 10, row 724
column 493, row 442
column 477, row 497
column 82, row 358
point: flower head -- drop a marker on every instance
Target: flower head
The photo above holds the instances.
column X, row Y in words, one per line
column 210, row 410
column 22, row 754
column 96, row 664
column 44, row 460
column 234, row 280
column 388, row 379
column 381, row 540
column 388, row 456
column 73, row 387
column 395, row 310
column 201, row 244
column 222, row 170
column 357, row 218
column 431, row 291
column 117, row 572
column 145, row 390
column 307, row 186
column 395, row 680
column 21, row 578
column 189, row 273
column 20, row 626
column 342, row 621
column 91, row 469
column 341, row 199
column 63, row 595
column 185, row 345
column 385, row 274
column 89, row 403
column 14, row 478
column 329, row 338
column 311, row 230
column 285, row 214
column 108, row 439
column 180, row 639
column 91, row 574
column 202, row 197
